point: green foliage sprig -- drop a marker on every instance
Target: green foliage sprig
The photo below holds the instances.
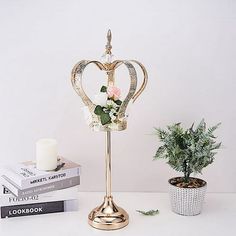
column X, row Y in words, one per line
column 187, row 151
column 148, row 213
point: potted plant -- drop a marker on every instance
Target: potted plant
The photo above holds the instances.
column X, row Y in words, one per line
column 187, row 151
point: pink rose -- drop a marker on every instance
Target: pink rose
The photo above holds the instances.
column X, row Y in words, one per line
column 113, row 92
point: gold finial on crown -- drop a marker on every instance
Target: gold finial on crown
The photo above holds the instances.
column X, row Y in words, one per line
column 108, row 45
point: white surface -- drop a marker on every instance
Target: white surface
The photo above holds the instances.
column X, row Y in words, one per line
column 187, row 46
column 217, row 218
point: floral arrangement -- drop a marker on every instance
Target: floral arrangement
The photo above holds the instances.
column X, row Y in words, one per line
column 107, row 104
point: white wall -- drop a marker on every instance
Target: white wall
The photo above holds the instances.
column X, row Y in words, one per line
column 188, row 48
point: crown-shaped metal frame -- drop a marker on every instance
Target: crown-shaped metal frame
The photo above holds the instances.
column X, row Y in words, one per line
column 109, row 68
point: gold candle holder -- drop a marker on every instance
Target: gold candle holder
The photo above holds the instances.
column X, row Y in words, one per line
column 108, row 216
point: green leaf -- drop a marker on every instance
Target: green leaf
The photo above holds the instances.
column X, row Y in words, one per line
column 103, row 89
column 216, row 146
column 98, row 110
column 159, row 152
column 162, row 134
column 212, row 129
column 201, row 127
column 118, row 102
column 191, row 128
column 105, row 118
column 148, row 213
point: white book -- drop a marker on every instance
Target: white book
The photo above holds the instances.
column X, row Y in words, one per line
column 8, row 199
column 62, row 184
column 38, row 208
column 25, row 175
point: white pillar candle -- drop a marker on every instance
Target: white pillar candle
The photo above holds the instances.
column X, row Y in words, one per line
column 46, row 154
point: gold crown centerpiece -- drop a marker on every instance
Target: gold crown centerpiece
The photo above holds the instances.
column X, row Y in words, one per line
column 108, row 112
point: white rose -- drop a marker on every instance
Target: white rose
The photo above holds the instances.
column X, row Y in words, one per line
column 100, row 99
column 87, row 115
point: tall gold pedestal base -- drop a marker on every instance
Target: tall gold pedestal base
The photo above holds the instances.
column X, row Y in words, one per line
column 108, row 216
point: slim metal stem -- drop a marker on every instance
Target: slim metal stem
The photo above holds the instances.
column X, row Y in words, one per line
column 108, row 163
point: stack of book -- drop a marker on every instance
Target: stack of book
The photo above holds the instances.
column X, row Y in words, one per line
column 25, row 190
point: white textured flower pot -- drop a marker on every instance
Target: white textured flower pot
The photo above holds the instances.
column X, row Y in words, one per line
column 187, row 201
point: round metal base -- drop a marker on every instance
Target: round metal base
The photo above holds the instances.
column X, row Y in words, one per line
column 108, row 216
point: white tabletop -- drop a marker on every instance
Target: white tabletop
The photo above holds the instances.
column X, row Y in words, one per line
column 218, row 218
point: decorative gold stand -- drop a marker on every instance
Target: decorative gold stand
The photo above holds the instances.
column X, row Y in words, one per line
column 108, row 216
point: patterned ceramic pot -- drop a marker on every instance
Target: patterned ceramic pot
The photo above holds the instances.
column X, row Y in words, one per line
column 187, row 201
